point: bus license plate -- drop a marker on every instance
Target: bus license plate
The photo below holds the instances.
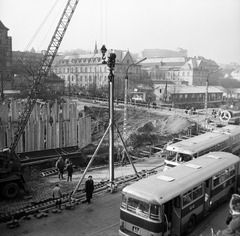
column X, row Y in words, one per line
column 136, row 230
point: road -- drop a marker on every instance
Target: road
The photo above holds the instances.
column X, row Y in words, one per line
column 101, row 217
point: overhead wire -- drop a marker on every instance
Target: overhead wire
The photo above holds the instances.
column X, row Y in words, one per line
column 31, row 41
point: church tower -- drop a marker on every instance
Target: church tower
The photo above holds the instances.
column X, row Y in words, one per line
column 95, row 49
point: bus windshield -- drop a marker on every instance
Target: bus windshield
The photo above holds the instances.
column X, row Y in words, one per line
column 141, row 208
column 178, row 157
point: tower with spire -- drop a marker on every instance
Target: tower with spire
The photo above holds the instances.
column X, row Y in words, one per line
column 95, row 49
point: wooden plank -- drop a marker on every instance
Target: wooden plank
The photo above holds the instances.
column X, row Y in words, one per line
column 74, row 131
column 61, row 136
column 2, row 137
column 67, row 110
column 48, row 140
column 88, row 130
column 70, row 132
column 53, row 129
column 80, row 133
column 14, row 110
column 57, row 130
column 3, row 113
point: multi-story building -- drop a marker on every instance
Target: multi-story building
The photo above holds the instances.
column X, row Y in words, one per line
column 194, row 71
column 5, row 57
column 88, row 69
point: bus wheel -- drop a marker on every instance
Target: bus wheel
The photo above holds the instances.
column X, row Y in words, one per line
column 10, row 190
column 191, row 224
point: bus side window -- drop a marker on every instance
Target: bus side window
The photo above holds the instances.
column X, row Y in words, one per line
column 187, row 198
column 176, row 202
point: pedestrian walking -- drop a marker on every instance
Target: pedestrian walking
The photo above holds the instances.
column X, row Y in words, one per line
column 69, row 169
column 89, row 187
column 57, row 194
column 60, row 164
column 233, row 228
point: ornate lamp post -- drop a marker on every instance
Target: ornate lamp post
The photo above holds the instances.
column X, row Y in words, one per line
column 125, row 97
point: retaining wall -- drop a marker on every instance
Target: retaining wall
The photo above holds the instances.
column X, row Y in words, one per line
column 49, row 126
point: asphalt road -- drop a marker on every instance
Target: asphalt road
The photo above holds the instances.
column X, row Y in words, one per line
column 101, row 217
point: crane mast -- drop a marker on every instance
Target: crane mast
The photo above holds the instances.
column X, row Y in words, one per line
column 43, row 71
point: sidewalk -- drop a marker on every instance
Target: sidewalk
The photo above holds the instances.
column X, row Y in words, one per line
column 216, row 220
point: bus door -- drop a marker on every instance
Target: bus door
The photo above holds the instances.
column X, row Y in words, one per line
column 167, row 218
column 176, row 216
column 207, row 192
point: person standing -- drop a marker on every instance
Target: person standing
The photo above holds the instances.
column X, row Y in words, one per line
column 69, row 169
column 60, row 164
column 233, row 228
column 89, row 187
column 57, row 194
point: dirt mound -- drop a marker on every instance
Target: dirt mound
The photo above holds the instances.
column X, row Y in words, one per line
column 142, row 126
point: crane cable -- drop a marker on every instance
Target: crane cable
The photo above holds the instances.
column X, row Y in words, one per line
column 31, row 41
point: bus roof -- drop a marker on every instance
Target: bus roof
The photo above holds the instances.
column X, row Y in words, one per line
column 166, row 185
column 198, row 143
column 228, row 129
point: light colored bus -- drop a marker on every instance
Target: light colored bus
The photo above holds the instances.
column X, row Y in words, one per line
column 225, row 139
column 172, row 202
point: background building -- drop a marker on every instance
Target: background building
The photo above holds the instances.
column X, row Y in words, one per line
column 5, row 58
column 88, row 70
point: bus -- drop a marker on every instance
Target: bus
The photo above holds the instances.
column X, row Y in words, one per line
column 226, row 139
column 172, row 202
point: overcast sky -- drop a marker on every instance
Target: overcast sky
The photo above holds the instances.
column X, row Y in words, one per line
column 209, row 28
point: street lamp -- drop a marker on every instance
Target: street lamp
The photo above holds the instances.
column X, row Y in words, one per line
column 207, row 82
column 125, row 96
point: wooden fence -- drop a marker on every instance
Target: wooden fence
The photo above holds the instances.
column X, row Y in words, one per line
column 49, row 126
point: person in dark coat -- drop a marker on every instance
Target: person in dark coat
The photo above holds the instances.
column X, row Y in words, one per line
column 89, row 187
column 233, row 228
column 69, row 169
column 60, row 164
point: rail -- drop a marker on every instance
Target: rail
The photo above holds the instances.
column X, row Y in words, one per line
column 47, row 204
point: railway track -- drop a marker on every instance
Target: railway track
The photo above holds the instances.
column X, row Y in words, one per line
column 43, row 206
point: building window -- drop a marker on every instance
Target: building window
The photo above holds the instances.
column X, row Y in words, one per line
column 85, row 69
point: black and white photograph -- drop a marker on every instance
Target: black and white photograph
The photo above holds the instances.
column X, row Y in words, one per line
column 120, row 117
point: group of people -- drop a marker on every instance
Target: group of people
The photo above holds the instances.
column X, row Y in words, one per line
column 89, row 187
column 62, row 165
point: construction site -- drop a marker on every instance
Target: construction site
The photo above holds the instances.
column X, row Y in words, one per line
column 102, row 138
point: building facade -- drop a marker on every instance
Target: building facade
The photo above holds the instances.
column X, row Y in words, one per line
column 194, row 71
column 179, row 93
column 5, row 58
column 88, row 69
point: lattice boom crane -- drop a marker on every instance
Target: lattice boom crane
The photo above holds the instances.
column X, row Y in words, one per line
column 11, row 173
